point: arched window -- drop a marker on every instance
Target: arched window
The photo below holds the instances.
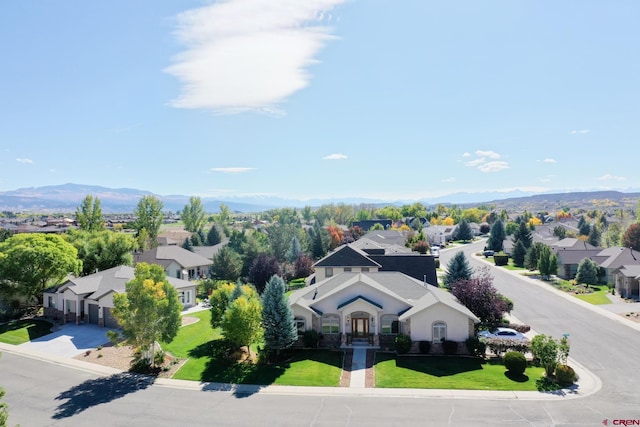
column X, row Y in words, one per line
column 301, row 324
column 330, row 324
column 389, row 324
column 439, row 331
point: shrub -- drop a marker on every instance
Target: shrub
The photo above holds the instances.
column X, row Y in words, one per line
column 310, row 338
column 403, row 343
column 158, row 358
column 475, row 346
column 565, row 375
column 515, row 362
column 424, row 347
column 501, row 259
column 450, row 347
column 519, row 327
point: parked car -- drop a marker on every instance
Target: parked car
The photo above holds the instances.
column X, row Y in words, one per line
column 487, row 253
column 435, row 251
column 507, row 333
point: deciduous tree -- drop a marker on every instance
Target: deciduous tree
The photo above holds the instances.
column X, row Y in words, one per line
column 480, row 296
column 545, row 349
column 101, row 250
column 242, row 321
column 89, row 215
column 277, row 317
column 149, row 216
column 631, row 237
column 193, row 215
column 226, row 265
column 31, row 262
column 149, row 310
column 263, row 267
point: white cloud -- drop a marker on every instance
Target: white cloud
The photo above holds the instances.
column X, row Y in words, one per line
column 248, row 55
column 609, row 177
column 23, row 160
column 336, row 156
column 548, row 160
column 451, row 179
column 489, row 154
column 493, row 166
column 232, row 170
column 467, row 154
column 583, row 131
column 484, row 163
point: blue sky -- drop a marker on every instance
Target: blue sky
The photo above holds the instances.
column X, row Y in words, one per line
column 321, row 98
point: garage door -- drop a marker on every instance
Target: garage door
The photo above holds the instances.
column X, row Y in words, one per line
column 109, row 320
column 93, row 313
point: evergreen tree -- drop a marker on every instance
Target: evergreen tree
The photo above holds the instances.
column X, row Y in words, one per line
column 587, row 272
column 463, row 231
column 227, row 264
column 518, row 254
column 213, row 236
column 545, row 261
column 583, row 227
column 523, row 234
column 188, row 245
column 594, row 236
column 533, row 255
column 497, row 236
column 457, row 269
column 277, row 317
column 294, row 249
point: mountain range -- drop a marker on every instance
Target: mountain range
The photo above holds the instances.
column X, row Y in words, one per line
column 67, row 197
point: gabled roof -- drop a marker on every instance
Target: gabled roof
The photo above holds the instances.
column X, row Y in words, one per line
column 164, row 255
column 632, row 271
column 386, row 238
column 394, row 284
column 616, row 257
column 346, row 256
column 571, row 243
column 114, row 279
column 574, row 256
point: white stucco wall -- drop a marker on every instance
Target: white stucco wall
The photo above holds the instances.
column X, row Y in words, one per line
column 457, row 323
column 321, row 271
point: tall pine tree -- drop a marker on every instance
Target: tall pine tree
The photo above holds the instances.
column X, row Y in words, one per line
column 457, row 269
column 277, row 317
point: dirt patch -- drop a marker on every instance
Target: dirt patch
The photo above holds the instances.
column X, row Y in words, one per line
column 120, row 357
column 632, row 316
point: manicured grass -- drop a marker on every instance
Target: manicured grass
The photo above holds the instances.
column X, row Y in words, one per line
column 207, row 361
column 457, row 373
column 598, row 297
column 21, row 331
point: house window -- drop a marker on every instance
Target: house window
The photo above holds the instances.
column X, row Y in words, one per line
column 328, row 271
column 365, row 269
column 330, row 324
column 52, row 302
column 439, row 331
column 347, row 269
column 389, row 324
column 301, row 325
column 181, row 297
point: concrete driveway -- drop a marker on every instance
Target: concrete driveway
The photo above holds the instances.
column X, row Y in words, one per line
column 69, row 340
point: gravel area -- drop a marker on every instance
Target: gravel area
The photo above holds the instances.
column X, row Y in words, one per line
column 120, row 357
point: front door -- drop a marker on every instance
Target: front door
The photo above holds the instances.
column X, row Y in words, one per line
column 360, row 327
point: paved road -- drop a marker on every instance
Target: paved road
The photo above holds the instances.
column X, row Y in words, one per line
column 49, row 394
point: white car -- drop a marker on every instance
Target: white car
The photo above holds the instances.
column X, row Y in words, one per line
column 507, row 333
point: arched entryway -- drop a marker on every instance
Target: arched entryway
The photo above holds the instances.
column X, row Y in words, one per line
column 360, row 325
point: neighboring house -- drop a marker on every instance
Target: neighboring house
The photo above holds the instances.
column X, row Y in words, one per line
column 366, row 224
column 373, row 307
column 90, row 298
column 176, row 261
column 209, row 251
column 570, row 252
column 613, row 259
column 348, row 258
column 439, row 234
column 173, row 237
column 627, row 281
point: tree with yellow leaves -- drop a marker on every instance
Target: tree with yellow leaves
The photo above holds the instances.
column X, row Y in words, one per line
column 149, row 310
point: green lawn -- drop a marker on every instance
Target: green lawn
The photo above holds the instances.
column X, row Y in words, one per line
column 598, row 297
column 464, row 373
column 207, row 361
column 21, row 331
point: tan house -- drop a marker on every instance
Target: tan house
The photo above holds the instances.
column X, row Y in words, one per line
column 90, row 298
column 176, row 261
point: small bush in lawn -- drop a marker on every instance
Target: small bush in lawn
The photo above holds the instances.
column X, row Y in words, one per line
column 515, row 362
column 403, row 343
column 310, row 338
column 475, row 346
column 424, row 347
column 450, row 347
column 565, row 375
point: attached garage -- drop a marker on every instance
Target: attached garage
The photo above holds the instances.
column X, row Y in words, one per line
column 93, row 313
column 109, row 320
